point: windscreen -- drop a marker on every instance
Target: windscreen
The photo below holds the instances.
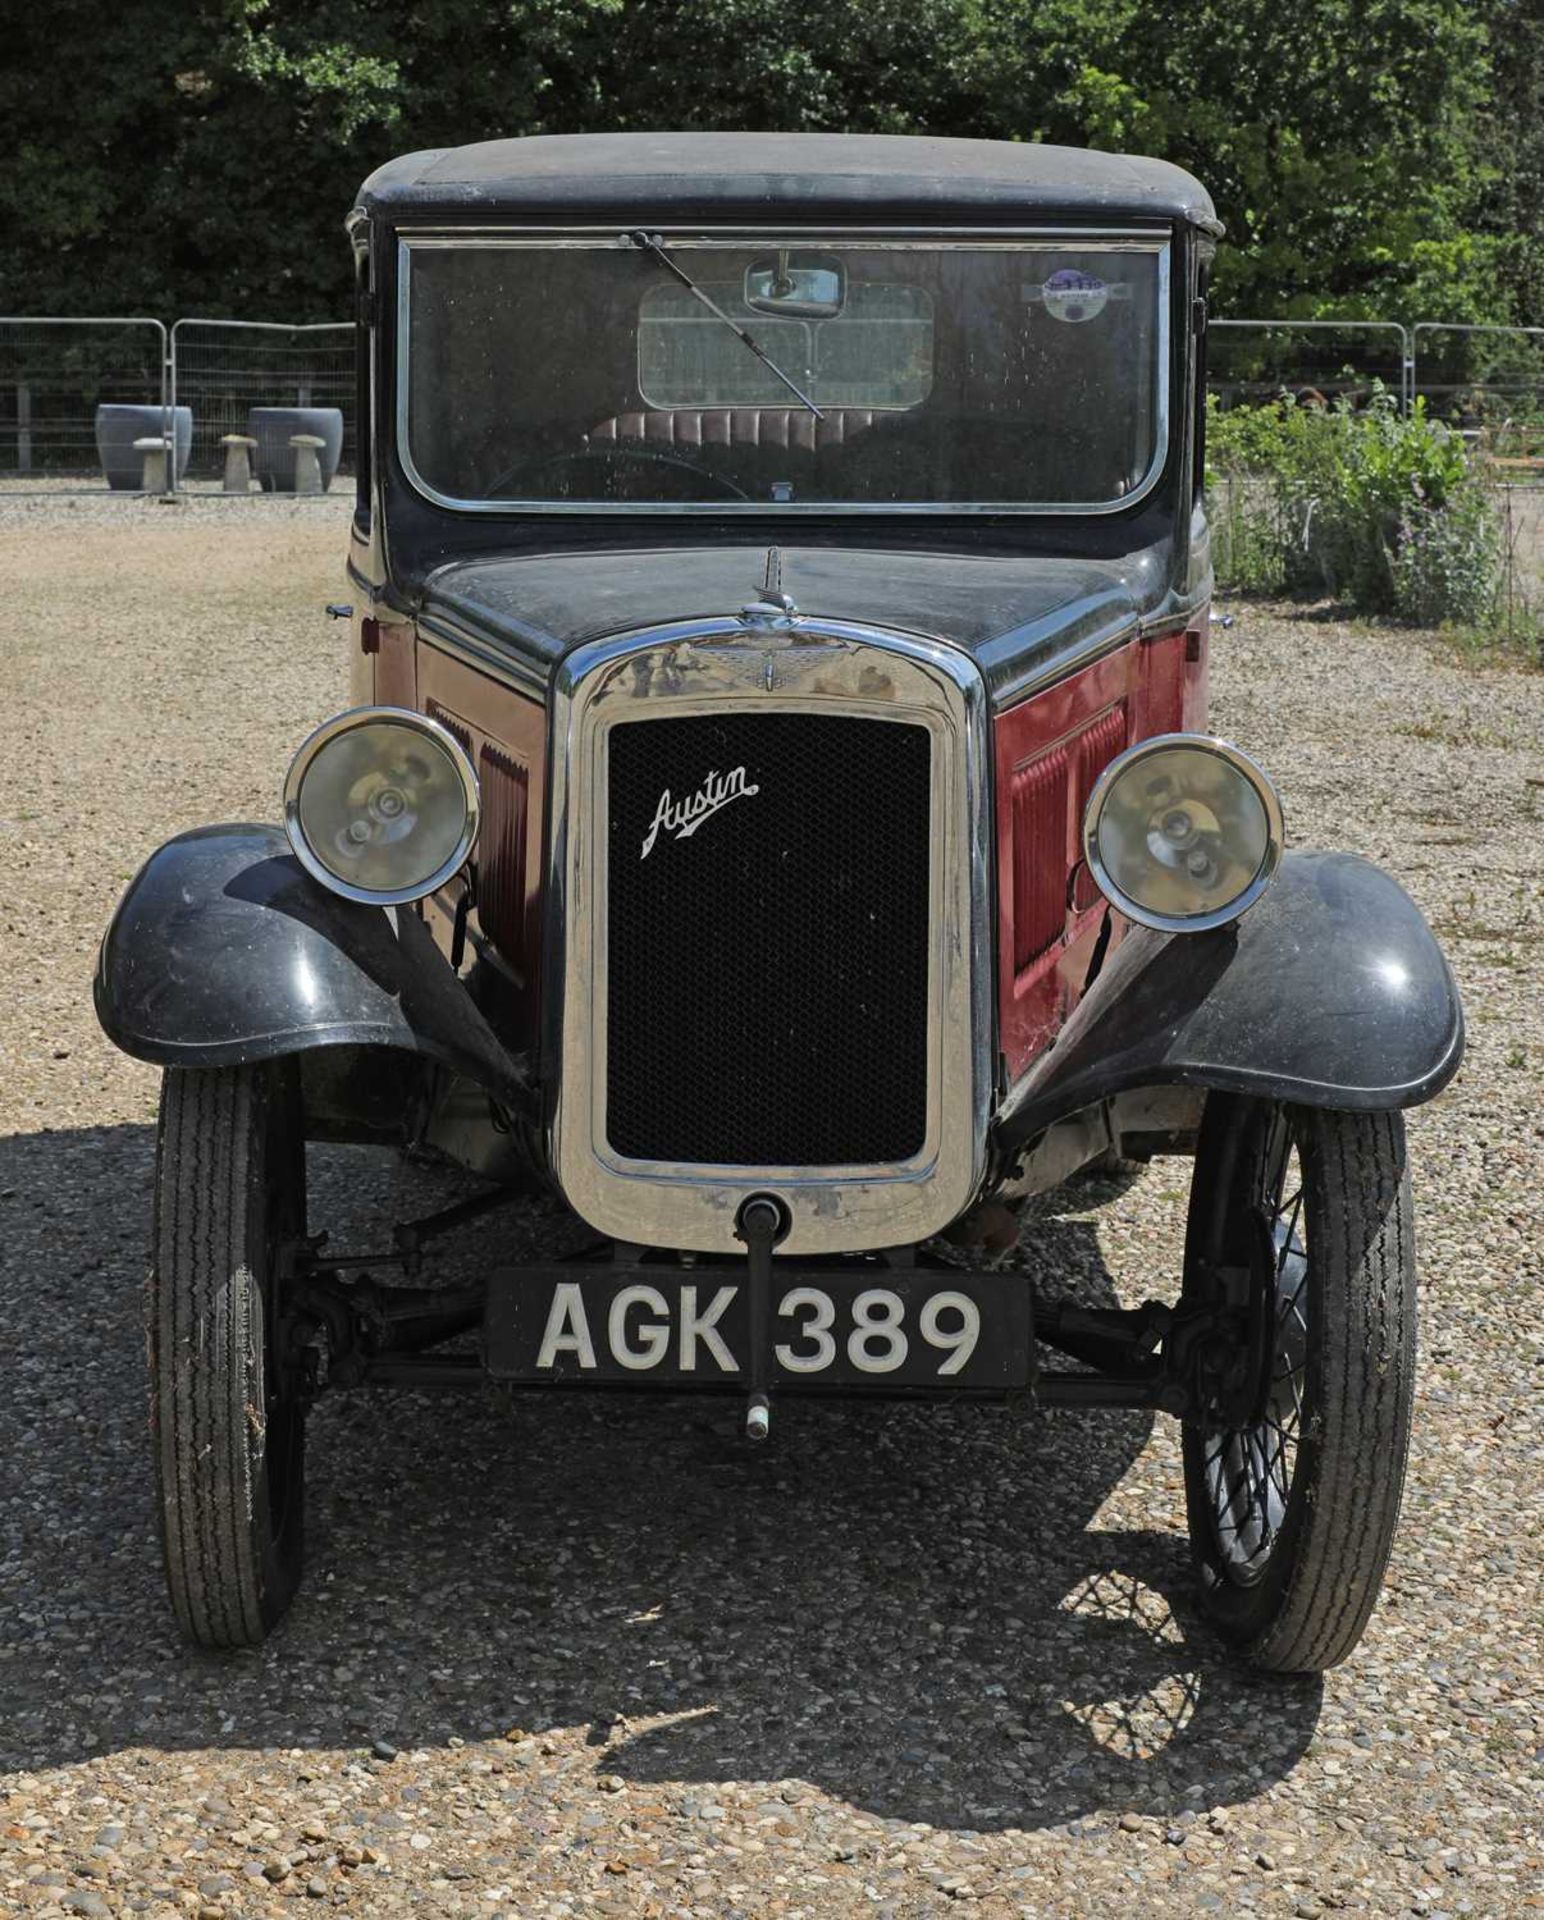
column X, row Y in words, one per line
column 634, row 372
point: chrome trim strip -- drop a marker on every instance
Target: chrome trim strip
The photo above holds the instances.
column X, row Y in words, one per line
column 1068, row 655
column 816, row 666
column 773, row 637
column 1235, row 757
column 774, row 509
column 524, row 677
column 1173, row 619
column 498, row 663
column 1084, row 651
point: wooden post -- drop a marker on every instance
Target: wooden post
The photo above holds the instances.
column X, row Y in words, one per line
column 23, row 427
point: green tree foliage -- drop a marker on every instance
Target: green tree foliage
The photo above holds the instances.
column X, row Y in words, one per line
column 1337, row 136
column 1369, row 156
column 1512, row 143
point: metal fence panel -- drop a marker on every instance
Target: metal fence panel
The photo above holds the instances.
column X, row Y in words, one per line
column 1520, row 513
column 1483, row 379
column 222, row 369
column 1250, row 361
column 54, row 374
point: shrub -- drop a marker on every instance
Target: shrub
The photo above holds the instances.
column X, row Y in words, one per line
column 1380, row 510
column 1446, row 560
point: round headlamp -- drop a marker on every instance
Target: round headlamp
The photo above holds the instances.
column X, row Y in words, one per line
column 1182, row 832
column 380, row 804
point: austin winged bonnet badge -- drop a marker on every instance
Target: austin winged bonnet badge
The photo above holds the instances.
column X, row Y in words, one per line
column 682, row 818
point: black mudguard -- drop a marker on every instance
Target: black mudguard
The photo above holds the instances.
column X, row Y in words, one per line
column 1330, row 992
column 224, row 950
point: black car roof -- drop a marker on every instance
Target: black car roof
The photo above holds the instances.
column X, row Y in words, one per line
column 744, row 175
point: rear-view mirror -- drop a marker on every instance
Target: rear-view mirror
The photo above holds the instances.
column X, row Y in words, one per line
column 797, row 286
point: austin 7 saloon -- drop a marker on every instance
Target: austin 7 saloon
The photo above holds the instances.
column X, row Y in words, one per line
column 777, row 818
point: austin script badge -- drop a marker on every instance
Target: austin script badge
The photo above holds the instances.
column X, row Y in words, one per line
column 682, row 818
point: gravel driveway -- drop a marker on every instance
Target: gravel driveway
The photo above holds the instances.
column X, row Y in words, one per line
column 572, row 1658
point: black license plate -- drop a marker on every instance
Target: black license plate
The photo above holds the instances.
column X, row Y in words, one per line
column 876, row 1329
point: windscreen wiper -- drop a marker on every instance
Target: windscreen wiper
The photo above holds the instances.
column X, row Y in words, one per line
column 650, row 244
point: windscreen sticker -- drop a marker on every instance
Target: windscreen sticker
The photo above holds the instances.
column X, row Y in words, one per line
column 1072, row 295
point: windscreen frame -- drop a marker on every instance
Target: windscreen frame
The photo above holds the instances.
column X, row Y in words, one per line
column 1156, row 239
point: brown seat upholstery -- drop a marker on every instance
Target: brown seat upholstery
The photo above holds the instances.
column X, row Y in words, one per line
column 735, row 427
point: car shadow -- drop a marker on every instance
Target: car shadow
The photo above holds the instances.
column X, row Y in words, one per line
column 915, row 1608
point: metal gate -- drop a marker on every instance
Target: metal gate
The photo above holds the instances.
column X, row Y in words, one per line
column 1477, row 377
column 55, row 374
column 1367, row 353
column 222, row 369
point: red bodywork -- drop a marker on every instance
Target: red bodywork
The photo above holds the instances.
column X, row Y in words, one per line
column 507, row 744
column 1050, row 749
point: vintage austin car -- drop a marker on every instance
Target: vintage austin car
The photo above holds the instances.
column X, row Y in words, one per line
column 777, row 815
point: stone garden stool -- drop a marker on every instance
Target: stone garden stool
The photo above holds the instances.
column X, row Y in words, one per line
column 238, row 461
column 308, row 466
column 119, row 425
column 273, row 458
column 154, row 447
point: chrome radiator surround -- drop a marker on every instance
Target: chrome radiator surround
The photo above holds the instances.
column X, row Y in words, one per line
column 816, row 667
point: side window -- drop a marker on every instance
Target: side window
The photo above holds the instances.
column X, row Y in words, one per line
column 1203, row 279
column 362, row 394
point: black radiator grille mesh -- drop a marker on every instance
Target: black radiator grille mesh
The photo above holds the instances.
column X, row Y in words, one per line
column 768, row 970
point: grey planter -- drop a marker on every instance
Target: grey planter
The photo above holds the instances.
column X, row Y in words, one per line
column 273, row 458
column 119, row 426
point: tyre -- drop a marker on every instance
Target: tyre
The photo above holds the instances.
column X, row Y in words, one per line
column 1294, row 1472
column 227, row 1419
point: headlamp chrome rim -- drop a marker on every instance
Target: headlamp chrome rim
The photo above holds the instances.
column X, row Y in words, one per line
column 1242, row 763
column 305, row 757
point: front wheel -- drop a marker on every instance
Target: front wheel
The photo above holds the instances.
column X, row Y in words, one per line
column 227, row 1417
column 1300, row 1221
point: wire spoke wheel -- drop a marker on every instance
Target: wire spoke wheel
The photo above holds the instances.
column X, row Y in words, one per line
column 1300, row 1228
column 1249, row 1469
